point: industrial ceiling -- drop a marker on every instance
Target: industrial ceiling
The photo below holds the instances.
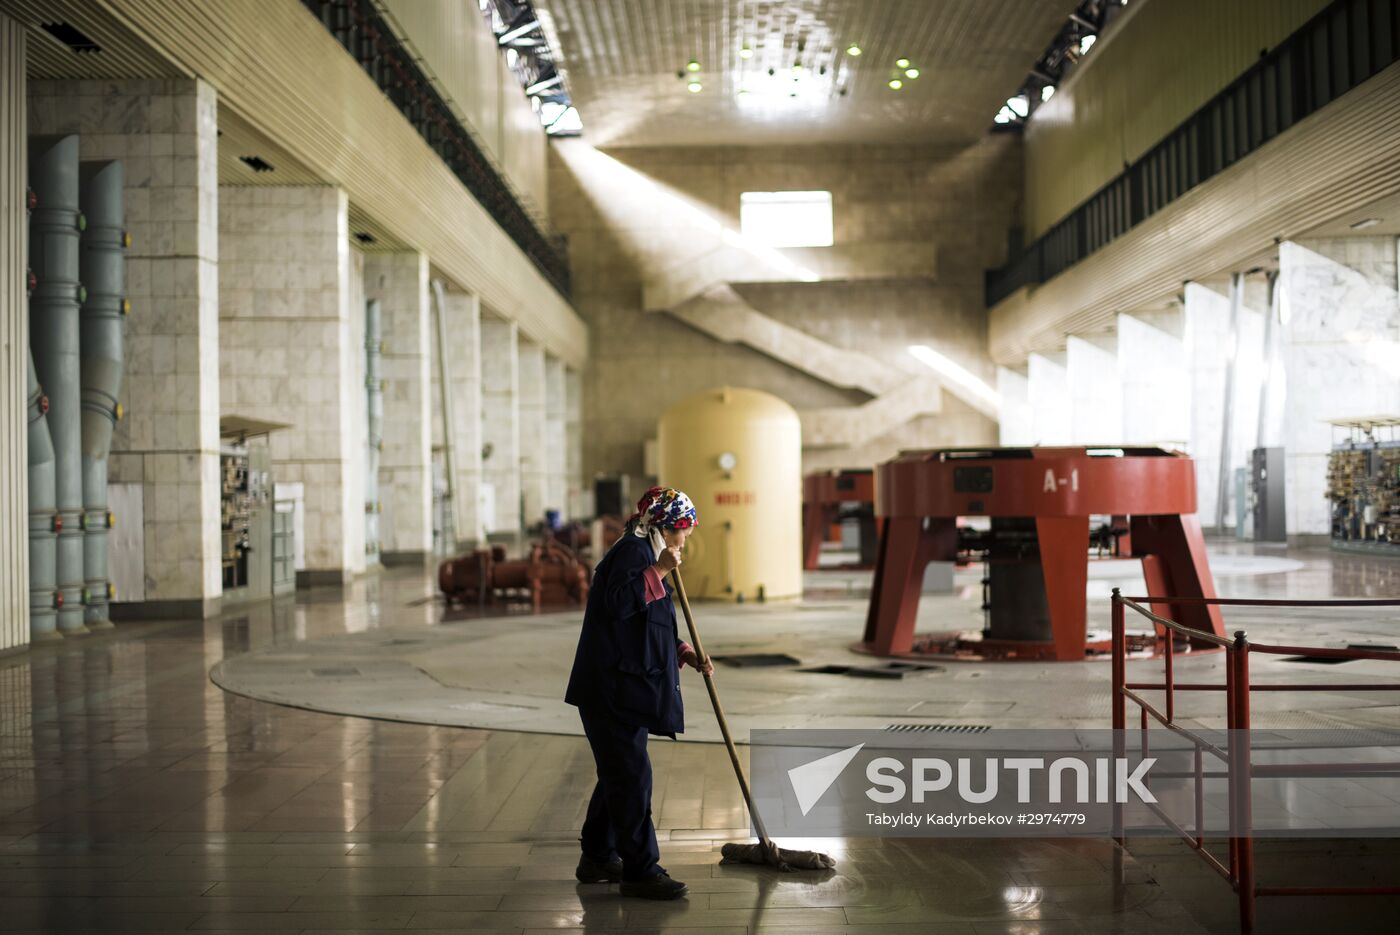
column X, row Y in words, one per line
column 779, row 71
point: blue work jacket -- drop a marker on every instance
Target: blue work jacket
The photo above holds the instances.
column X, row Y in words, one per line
column 626, row 663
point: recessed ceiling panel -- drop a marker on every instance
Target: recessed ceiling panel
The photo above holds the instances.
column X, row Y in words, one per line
column 753, row 72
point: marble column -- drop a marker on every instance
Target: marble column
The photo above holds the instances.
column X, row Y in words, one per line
column 534, row 459
column 357, row 405
column 166, row 133
column 500, row 423
column 14, row 343
column 1156, row 381
column 286, row 354
column 463, row 329
column 1095, row 392
column 1341, row 349
column 578, row 498
column 1209, row 348
column 556, row 488
column 400, row 282
column 1051, row 405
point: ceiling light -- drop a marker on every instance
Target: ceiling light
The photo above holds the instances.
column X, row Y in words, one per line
column 1047, row 92
column 567, row 124
column 901, row 63
column 1087, row 43
column 1368, row 222
column 745, row 52
column 896, row 84
column 545, row 85
column 853, row 51
column 1019, row 105
column 692, row 65
column 519, row 31
column 695, row 87
column 911, row 73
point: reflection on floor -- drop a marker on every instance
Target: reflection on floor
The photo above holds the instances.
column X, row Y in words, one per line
column 507, row 672
column 136, row 795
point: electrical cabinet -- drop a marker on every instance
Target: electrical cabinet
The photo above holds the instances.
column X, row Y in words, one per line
column 1267, row 495
column 1363, row 485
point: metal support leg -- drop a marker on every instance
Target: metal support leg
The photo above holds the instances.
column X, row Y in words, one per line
column 1066, row 568
column 906, row 548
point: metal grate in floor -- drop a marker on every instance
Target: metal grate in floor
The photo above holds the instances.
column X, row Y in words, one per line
column 887, row 670
column 1333, row 661
column 939, row 728
column 331, row 672
column 756, row 660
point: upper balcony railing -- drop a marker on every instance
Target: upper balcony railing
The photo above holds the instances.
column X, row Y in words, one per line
column 1333, row 52
column 359, row 27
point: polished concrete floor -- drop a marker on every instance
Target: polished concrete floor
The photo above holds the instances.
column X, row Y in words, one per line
column 137, row 795
column 422, row 665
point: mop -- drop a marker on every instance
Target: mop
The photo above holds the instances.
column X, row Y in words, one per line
column 765, row 851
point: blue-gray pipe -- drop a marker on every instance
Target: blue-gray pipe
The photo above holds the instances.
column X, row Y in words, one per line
column 374, row 398
column 103, row 273
column 54, row 229
column 43, row 540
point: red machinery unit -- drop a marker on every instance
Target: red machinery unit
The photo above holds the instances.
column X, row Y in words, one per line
column 1040, row 501
column 831, row 496
column 551, row 574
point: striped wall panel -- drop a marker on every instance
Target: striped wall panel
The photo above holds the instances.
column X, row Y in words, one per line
column 1135, row 87
column 455, row 45
column 281, row 71
column 1328, row 166
column 14, row 341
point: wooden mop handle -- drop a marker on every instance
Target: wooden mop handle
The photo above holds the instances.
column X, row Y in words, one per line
column 719, row 709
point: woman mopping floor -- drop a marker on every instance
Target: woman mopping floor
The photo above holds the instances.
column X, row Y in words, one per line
column 625, row 683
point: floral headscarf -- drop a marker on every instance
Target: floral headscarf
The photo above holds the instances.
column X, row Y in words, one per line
column 663, row 508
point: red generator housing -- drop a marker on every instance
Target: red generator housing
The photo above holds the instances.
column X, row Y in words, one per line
column 1040, row 501
column 828, row 497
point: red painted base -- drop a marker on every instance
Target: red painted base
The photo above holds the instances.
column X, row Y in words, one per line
column 920, row 495
column 970, row 647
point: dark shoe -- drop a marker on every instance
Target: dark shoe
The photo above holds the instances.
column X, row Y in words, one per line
column 660, row 886
column 593, row 871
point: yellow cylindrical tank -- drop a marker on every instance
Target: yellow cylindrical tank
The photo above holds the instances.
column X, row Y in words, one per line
column 738, row 454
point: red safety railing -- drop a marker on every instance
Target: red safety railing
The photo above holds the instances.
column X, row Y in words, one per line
column 1240, row 770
